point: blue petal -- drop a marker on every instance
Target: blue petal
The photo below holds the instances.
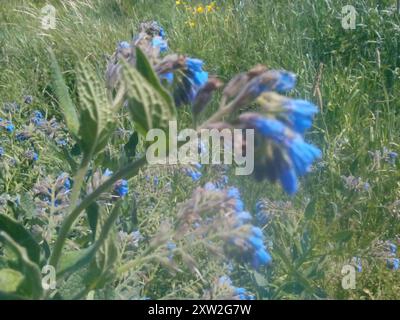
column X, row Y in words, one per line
column 289, row 181
column 286, row 81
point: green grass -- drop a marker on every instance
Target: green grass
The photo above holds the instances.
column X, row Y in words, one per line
column 359, row 113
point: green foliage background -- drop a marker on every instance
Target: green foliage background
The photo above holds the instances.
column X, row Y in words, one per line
column 359, row 113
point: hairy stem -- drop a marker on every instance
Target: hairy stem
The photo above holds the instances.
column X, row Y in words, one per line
column 126, row 172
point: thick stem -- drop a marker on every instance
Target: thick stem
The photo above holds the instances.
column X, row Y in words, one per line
column 70, row 219
column 224, row 109
column 126, row 172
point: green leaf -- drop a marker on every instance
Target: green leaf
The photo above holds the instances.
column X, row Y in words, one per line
column 130, row 146
column 146, row 70
column 10, row 280
column 101, row 268
column 343, row 236
column 71, row 261
column 150, row 107
column 64, row 98
column 10, row 296
column 96, row 118
column 22, row 236
column 260, row 279
column 32, row 284
column 104, row 241
column 93, row 214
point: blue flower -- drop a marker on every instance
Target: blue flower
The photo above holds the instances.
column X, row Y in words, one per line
column 1, row 151
column 286, row 81
column 162, row 32
column 256, row 242
column 67, row 184
column 272, row 80
column 31, row 155
column 233, row 192
column 270, row 128
column 262, row 215
column 209, row 186
column 255, row 250
column 28, row 99
column 392, row 248
column 225, row 281
column 242, row 294
column 393, row 263
column 123, row 45
column 121, row 187
column 302, row 154
column 107, row 173
column 61, row 142
column 288, row 180
column 193, row 173
column 37, row 118
column 239, row 205
column 158, row 42
column 288, row 157
column 22, row 136
column 300, row 114
column 261, row 257
column 9, row 126
column 192, row 80
column 199, row 76
column 243, row 217
column 358, row 263
column 169, row 77
column 392, row 156
column 238, row 293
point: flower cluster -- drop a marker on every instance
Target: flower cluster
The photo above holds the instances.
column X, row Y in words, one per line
column 193, row 172
column 393, row 262
column 196, row 10
column 356, row 184
column 249, row 238
column 385, row 155
column 281, row 153
column 121, row 187
column 184, row 75
column 7, row 125
column 224, row 289
column 267, row 209
column 220, row 213
column 130, row 239
column 151, row 39
column 387, row 251
column 193, row 78
column 52, row 195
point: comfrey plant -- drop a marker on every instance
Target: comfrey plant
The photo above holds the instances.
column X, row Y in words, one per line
column 153, row 84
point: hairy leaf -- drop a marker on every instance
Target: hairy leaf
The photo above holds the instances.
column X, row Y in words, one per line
column 64, row 98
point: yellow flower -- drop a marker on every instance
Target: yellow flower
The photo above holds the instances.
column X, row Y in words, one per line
column 178, row 2
column 190, row 23
column 210, row 7
column 200, row 9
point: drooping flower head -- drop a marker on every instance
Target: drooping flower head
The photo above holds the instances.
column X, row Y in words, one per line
column 280, row 153
column 121, row 188
column 191, row 79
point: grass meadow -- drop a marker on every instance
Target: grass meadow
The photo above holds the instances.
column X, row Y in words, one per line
column 347, row 209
